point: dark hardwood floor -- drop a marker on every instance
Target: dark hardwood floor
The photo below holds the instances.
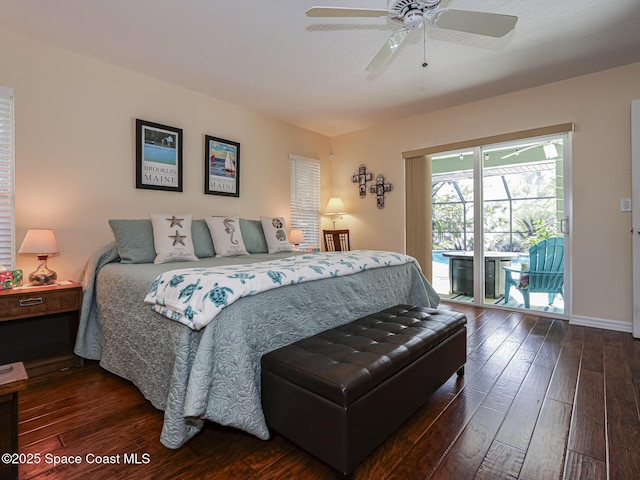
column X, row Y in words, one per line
column 541, row 399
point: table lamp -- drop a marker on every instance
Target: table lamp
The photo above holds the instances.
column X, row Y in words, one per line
column 335, row 208
column 41, row 242
column 296, row 237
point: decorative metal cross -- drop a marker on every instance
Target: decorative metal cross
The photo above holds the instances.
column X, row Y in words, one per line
column 380, row 188
column 361, row 178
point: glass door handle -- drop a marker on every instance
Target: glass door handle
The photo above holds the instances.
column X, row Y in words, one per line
column 564, row 225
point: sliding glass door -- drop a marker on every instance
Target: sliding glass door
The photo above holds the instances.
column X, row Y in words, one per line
column 453, row 224
column 499, row 224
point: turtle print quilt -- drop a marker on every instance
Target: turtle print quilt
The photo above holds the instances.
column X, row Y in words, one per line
column 195, row 296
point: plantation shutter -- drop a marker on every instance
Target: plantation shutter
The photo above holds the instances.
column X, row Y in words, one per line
column 7, row 244
column 305, row 198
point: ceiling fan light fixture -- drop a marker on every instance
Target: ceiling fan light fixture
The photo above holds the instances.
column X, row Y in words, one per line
column 413, row 19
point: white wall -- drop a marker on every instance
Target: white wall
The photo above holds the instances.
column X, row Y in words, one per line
column 598, row 104
column 75, row 149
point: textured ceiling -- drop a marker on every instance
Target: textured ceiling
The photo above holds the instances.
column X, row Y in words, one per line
column 269, row 57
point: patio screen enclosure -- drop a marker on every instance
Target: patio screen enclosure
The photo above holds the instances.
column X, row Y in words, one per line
column 521, row 202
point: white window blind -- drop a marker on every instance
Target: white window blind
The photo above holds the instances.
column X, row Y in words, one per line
column 7, row 244
column 305, row 198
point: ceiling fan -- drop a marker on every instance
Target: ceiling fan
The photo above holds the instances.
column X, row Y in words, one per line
column 412, row 14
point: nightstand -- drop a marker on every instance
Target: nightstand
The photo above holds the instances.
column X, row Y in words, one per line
column 38, row 326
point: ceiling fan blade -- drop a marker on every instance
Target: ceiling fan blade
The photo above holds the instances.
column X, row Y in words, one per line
column 388, row 49
column 345, row 12
column 481, row 23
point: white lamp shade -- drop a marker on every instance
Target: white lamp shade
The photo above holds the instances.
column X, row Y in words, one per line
column 335, row 207
column 39, row 241
column 296, row 236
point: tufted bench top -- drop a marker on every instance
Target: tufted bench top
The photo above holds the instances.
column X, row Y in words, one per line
column 345, row 362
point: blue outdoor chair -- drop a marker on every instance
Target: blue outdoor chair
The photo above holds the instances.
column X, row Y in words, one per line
column 545, row 272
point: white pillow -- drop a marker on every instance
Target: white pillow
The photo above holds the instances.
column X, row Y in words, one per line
column 226, row 236
column 275, row 232
column 172, row 238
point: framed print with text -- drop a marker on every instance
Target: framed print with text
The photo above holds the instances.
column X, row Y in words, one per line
column 221, row 167
column 158, row 156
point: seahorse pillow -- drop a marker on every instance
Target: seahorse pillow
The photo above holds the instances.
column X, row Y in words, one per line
column 172, row 238
column 226, row 236
column 275, row 232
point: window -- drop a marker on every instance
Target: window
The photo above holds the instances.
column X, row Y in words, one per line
column 7, row 244
column 305, row 198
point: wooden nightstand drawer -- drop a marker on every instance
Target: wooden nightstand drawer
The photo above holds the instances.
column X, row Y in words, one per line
column 38, row 302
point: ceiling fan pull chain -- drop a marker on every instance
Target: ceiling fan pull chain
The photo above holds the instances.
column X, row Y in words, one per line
column 424, row 47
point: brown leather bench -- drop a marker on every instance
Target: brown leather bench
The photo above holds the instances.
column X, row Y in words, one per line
column 339, row 394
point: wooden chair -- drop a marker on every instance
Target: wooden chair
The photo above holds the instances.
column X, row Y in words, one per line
column 545, row 272
column 336, row 240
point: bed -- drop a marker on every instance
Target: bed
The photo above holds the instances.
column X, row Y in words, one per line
column 214, row 373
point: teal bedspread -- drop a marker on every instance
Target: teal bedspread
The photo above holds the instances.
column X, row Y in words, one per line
column 214, row 373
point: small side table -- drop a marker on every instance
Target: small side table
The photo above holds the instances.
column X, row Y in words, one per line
column 38, row 326
column 13, row 378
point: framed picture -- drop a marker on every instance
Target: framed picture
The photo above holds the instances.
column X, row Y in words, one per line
column 221, row 167
column 158, row 156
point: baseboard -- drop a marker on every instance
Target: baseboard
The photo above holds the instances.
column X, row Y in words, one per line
column 604, row 323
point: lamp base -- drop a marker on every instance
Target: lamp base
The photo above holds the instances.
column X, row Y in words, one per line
column 43, row 275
